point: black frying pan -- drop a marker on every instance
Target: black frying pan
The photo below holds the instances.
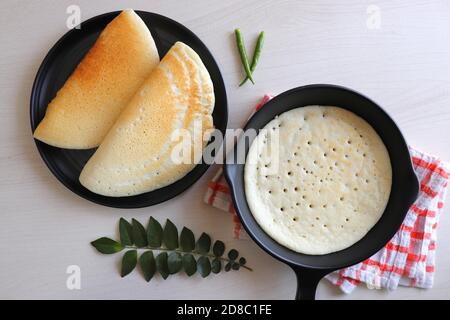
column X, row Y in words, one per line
column 60, row 62
column 405, row 187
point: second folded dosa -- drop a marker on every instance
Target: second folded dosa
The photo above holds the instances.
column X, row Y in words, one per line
column 137, row 154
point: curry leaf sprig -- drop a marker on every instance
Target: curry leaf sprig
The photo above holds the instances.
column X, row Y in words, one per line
column 167, row 252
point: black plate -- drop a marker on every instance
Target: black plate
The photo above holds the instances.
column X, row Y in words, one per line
column 311, row 268
column 60, row 62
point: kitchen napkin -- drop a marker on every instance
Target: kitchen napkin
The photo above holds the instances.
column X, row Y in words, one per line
column 409, row 257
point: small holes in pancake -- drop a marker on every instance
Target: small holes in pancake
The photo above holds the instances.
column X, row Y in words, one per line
column 341, row 198
column 367, row 180
column 281, row 209
column 347, row 219
column 294, row 218
column 349, row 141
column 311, row 206
column 270, row 191
column 303, row 197
column 325, row 226
column 284, row 190
column 336, row 153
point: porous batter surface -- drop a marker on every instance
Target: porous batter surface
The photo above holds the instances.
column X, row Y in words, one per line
column 327, row 185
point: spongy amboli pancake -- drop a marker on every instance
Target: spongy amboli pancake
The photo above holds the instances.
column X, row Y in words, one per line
column 137, row 155
column 92, row 98
column 328, row 185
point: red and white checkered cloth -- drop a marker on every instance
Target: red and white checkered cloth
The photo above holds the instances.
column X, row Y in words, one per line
column 409, row 257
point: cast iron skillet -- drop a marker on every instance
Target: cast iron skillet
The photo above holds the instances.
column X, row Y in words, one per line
column 311, row 268
column 60, row 62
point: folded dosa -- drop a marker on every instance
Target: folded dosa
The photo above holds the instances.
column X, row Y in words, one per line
column 136, row 156
column 90, row 101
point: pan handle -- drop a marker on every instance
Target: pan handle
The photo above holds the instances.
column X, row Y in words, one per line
column 307, row 281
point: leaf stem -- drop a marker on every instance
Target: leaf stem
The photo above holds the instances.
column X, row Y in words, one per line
column 181, row 251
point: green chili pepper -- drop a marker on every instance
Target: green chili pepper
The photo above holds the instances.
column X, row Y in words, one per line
column 243, row 54
column 256, row 55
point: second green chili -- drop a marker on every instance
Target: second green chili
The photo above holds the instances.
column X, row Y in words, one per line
column 256, row 55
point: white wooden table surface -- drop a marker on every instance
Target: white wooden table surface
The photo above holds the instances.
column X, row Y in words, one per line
column 403, row 63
